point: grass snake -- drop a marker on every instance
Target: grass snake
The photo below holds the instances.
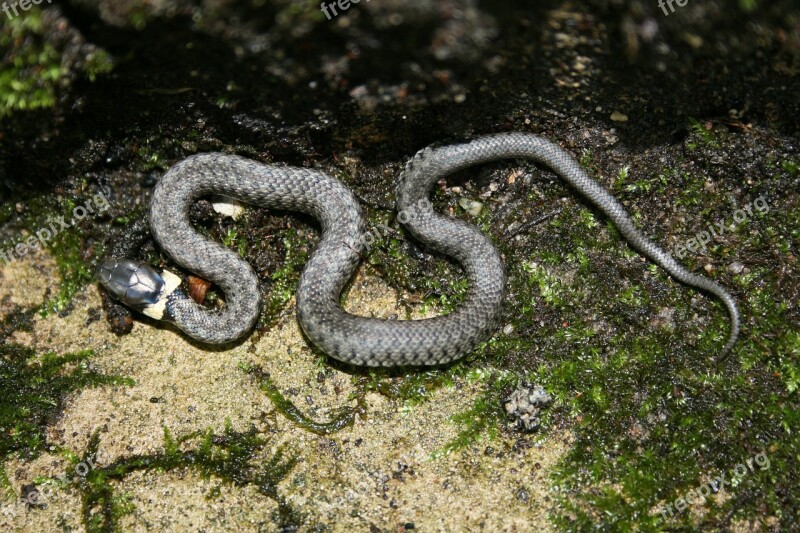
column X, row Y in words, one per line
column 349, row 338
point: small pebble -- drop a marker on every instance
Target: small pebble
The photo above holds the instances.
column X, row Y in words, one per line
column 525, row 405
column 695, row 41
column 229, row 208
column 198, row 288
column 472, row 207
column 616, row 116
column 736, row 268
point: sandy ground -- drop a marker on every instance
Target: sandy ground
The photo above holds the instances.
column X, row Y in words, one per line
column 381, row 473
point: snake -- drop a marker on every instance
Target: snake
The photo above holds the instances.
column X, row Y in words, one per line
column 357, row 340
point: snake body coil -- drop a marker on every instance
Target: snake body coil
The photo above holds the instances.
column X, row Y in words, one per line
column 352, row 339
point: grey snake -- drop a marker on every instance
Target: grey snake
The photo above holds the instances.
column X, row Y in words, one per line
column 349, row 338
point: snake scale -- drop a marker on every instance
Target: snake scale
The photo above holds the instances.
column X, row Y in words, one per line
column 349, row 338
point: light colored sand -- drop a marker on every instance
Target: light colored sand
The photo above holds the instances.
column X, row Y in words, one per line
column 378, row 473
column 25, row 283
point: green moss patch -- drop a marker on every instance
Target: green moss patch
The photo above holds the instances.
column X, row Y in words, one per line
column 35, row 387
column 233, row 457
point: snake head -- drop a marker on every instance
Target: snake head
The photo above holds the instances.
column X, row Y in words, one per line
column 133, row 283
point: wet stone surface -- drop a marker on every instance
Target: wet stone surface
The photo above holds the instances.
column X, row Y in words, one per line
column 687, row 117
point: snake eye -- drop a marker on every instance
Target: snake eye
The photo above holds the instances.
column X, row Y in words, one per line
column 132, row 282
